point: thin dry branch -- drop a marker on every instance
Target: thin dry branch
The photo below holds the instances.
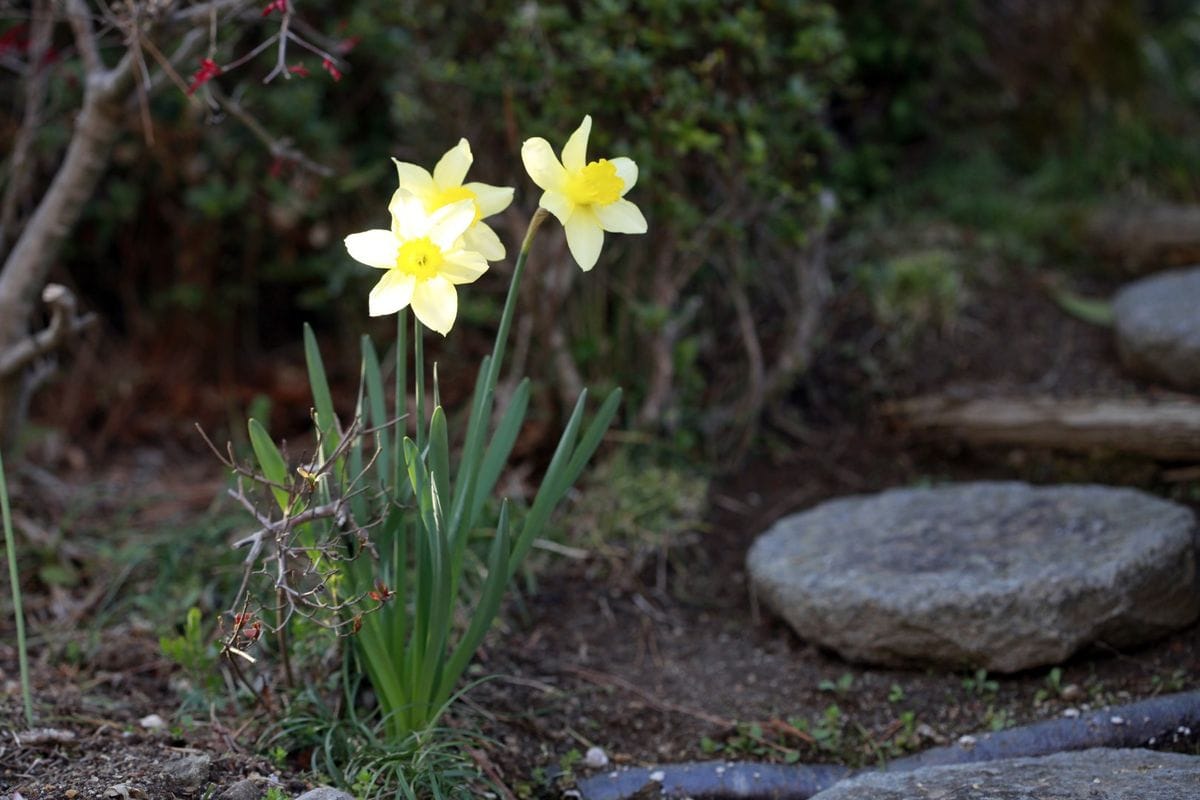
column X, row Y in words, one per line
column 278, row 147
column 80, row 19
column 64, row 325
column 21, row 162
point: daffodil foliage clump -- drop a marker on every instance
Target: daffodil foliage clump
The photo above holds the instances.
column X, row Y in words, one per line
column 373, row 537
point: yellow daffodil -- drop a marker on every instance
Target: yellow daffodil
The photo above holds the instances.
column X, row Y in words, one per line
column 445, row 186
column 425, row 257
column 587, row 197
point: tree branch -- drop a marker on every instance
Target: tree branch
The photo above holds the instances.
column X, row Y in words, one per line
column 21, row 162
column 64, row 324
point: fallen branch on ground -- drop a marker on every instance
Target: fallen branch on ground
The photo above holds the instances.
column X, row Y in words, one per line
column 1168, row 430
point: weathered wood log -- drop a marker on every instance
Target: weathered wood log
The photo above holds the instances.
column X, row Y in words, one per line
column 1167, row 430
column 1146, row 237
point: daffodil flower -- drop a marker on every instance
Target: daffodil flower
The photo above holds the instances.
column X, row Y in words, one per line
column 587, row 197
column 445, row 186
column 425, row 257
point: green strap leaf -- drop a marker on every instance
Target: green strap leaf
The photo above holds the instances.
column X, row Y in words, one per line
column 496, row 456
column 485, row 611
column 270, row 461
column 377, row 411
column 439, row 452
column 322, row 399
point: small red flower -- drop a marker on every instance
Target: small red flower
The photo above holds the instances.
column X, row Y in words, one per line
column 15, row 39
column 348, row 44
column 275, row 5
column 334, row 72
column 278, row 166
column 209, row 69
column 382, row 593
column 298, row 69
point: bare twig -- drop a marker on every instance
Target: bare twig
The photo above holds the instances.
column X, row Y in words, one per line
column 281, row 148
column 21, row 162
column 80, row 19
column 64, row 325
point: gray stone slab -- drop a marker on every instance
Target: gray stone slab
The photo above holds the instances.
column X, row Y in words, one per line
column 1085, row 775
column 1158, row 327
column 1004, row 576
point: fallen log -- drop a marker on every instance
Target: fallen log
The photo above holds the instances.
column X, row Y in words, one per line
column 1166, row 430
column 1156, row 722
column 1145, row 237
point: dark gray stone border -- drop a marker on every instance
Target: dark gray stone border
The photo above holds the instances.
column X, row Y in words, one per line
column 1140, row 724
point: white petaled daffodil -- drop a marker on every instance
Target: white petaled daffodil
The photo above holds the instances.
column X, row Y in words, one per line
column 425, row 257
column 587, row 197
column 445, row 186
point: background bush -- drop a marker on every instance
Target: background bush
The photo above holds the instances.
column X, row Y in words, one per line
column 756, row 127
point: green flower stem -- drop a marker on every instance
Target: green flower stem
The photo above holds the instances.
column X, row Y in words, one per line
column 14, row 577
column 510, row 302
column 401, row 396
column 478, row 426
column 419, row 381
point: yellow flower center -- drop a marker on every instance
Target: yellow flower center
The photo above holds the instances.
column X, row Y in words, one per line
column 419, row 258
column 452, row 195
column 595, row 184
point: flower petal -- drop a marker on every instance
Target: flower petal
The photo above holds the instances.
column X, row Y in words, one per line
column 375, row 248
column 574, row 155
column 450, row 222
column 414, row 178
column 435, row 302
column 483, row 240
column 620, row 216
column 585, row 237
column 463, row 265
column 410, row 220
column 453, row 166
column 490, row 199
column 557, row 204
column 393, row 292
column 627, row 171
column 542, row 165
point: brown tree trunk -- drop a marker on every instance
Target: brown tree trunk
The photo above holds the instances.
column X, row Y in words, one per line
column 27, row 267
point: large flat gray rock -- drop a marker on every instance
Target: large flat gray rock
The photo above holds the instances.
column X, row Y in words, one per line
column 1004, row 576
column 1084, row 775
column 1158, row 327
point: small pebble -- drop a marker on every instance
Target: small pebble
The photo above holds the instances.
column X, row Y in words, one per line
column 1070, row 713
column 596, row 758
column 152, row 722
column 1117, row 720
column 967, row 741
column 658, row 776
column 1072, row 693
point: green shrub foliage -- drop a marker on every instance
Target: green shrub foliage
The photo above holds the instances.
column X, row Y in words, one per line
column 752, row 124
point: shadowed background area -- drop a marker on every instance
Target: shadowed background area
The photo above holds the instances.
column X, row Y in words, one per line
column 762, row 132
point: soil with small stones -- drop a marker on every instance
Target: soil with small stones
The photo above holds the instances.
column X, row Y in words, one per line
column 672, row 662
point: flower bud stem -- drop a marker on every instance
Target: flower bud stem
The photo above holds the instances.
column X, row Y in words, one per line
column 419, row 384
column 510, row 303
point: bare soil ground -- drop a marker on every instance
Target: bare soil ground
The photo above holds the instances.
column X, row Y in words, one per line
column 668, row 663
